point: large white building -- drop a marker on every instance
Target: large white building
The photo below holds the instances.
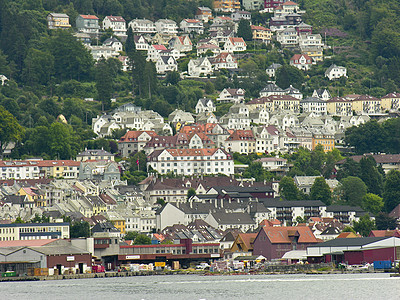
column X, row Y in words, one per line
column 116, row 23
column 191, row 161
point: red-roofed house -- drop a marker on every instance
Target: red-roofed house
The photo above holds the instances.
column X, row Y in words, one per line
column 235, row 44
column 192, row 25
column 153, row 52
column 116, row 23
column 301, row 61
column 274, row 242
column 181, row 43
column 243, row 243
column 88, row 24
column 134, row 141
column 241, row 141
column 224, row 60
column 191, row 161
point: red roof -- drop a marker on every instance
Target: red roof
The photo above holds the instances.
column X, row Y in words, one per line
column 283, row 235
column 254, row 27
column 90, row 17
column 270, row 223
column 297, row 57
column 132, row 135
column 239, row 135
column 159, row 47
column 26, row 243
column 192, row 21
column 39, row 163
column 289, row 3
column 391, row 95
column 116, row 18
column 235, row 40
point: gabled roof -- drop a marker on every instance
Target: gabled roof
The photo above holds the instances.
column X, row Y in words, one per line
column 260, row 28
column 235, row 40
column 238, row 135
column 116, row 18
column 132, row 135
column 89, row 17
column 159, row 47
column 285, row 235
column 224, row 218
column 297, row 57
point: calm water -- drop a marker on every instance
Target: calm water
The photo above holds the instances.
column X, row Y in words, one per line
column 343, row 286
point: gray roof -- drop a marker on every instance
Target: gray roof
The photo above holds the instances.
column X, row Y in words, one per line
column 59, row 250
column 349, row 242
column 312, row 100
column 233, row 218
column 345, row 208
column 94, row 152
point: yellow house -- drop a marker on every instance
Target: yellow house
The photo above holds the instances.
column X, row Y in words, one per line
column 99, row 206
column 117, row 220
column 315, row 53
column 366, row 104
column 67, row 169
column 226, row 5
column 285, row 102
column 339, row 106
column 390, row 101
column 58, row 21
column 34, row 195
column 324, row 139
column 261, row 33
column 260, row 103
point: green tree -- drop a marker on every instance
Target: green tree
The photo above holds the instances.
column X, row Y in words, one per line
column 385, row 222
column 372, row 203
column 138, row 162
column 391, row 194
column 39, row 67
column 104, row 83
column 364, row 225
column 191, row 192
column 80, row 229
column 320, row 191
column 289, row 75
column 288, row 189
column 349, row 229
column 10, row 130
column 18, row 220
column 353, row 190
column 130, row 46
column 244, row 30
column 371, row 176
column 256, row 171
column 131, row 235
column 142, row 239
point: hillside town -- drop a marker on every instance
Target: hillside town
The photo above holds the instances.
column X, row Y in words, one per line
column 233, row 182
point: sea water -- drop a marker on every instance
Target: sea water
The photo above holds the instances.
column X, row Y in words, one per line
column 175, row 287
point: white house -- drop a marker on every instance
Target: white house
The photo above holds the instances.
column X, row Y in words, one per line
column 99, row 52
column 335, row 72
column 113, row 43
column 224, row 60
column 301, row 61
column 192, row 25
column 240, row 14
column 141, row 43
column 191, row 161
column 181, row 43
column 116, row 23
column 235, row 44
column 142, row 26
column 231, row 95
column 200, row 66
column 313, row 104
column 271, row 70
column 3, row 79
column 205, row 105
column 166, row 64
column 166, row 26
column 287, row 37
column 153, row 52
